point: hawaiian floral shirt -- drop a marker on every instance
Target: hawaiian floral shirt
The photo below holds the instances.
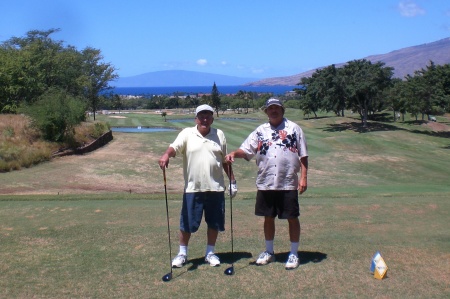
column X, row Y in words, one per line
column 277, row 152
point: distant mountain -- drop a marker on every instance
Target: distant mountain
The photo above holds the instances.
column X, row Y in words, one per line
column 179, row 78
column 404, row 61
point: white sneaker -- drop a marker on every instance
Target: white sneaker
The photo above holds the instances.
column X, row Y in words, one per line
column 265, row 257
column 212, row 259
column 292, row 262
column 179, row 261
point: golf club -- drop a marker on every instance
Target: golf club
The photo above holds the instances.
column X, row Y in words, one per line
column 168, row 276
column 230, row 270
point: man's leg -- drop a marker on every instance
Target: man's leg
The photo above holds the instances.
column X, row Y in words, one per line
column 294, row 229
column 268, row 255
column 184, row 238
column 294, row 236
column 184, row 242
column 210, row 257
column 269, row 228
column 212, row 236
column 181, row 258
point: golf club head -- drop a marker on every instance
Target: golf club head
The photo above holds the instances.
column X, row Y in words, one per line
column 167, row 277
column 229, row 271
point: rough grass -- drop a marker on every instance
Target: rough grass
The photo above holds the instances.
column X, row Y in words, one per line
column 21, row 146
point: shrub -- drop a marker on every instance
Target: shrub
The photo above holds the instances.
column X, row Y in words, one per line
column 55, row 114
column 21, row 145
column 98, row 129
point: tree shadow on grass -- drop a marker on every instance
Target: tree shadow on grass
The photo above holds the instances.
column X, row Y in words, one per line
column 379, row 126
column 441, row 134
column 359, row 128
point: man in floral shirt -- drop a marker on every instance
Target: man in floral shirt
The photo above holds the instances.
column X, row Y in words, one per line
column 280, row 150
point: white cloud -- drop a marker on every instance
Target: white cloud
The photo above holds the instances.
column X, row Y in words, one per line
column 202, row 62
column 257, row 71
column 410, row 9
column 223, row 63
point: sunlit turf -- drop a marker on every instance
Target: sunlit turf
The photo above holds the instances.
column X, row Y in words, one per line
column 382, row 189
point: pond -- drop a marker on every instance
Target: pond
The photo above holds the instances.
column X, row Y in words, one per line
column 215, row 119
column 141, row 129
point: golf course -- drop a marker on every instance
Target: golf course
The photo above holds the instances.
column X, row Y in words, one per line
column 95, row 225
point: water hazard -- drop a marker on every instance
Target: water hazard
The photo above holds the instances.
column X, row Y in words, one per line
column 141, row 129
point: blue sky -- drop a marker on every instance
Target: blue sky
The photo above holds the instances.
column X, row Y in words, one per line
column 244, row 38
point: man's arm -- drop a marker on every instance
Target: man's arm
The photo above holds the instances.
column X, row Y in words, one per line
column 164, row 160
column 303, row 182
column 239, row 153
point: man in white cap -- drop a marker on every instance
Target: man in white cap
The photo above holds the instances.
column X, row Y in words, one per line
column 279, row 147
column 203, row 149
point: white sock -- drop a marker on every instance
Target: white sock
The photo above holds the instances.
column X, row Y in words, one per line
column 183, row 250
column 209, row 249
column 269, row 246
column 294, row 248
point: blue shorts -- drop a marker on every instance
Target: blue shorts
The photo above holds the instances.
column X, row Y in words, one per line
column 213, row 203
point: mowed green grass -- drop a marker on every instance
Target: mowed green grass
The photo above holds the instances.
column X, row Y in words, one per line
column 383, row 190
column 83, row 248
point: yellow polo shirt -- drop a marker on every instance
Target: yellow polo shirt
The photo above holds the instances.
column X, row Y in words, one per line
column 202, row 159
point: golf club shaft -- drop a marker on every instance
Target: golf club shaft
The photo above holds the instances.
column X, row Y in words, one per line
column 168, row 225
column 231, row 211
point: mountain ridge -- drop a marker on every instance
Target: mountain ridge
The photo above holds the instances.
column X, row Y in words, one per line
column 180, row 78
column 405, row 61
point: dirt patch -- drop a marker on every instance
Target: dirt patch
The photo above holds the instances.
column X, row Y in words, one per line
column 437, row 127
column 124, row 165
column 116, row 116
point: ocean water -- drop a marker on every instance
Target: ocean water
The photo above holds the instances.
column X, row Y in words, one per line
column 276, row 90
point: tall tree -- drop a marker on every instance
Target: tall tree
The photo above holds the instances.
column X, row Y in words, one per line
column 96, row 76
column 30, row 66
column 215, row 99
column 311, row 95
column 33, row 64
column 364, row 83
column 395, row 98
column 429, row 89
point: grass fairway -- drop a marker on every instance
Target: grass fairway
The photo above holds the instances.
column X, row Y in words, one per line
column 118, row 248
column 94, row 226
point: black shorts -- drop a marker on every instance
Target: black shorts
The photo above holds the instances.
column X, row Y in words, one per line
column 283, row 203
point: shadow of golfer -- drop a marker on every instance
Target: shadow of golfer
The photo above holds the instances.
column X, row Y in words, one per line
column 304, row 256
column 225, row 258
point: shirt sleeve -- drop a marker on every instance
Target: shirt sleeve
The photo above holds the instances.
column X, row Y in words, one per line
column 223, row 144
column 179, row 145
column 250, row 146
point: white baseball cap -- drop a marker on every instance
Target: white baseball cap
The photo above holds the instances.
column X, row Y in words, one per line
column 204, row 108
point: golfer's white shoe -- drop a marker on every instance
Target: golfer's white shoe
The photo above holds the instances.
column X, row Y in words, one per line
column 292, row 262
column 212, row 259
column 179, row 261
column 265, row 257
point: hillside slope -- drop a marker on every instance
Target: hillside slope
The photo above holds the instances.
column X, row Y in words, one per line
column 405, row 61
